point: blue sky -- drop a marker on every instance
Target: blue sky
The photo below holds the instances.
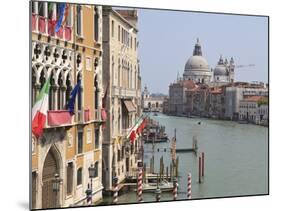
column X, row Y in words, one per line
column 167, row 38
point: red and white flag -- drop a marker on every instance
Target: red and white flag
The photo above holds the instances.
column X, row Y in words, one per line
column 39, row 110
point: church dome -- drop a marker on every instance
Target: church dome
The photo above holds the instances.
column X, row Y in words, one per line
column 220, row 69
column 197, row 62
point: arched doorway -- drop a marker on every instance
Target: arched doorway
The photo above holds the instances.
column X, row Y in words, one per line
column 51, row 167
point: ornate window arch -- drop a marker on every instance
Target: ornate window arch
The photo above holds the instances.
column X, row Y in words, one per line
column 96, row 92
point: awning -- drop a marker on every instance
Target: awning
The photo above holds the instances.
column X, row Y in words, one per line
column 129, row 105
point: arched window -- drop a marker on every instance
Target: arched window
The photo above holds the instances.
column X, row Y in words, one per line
column 131, row 77
column 42, row 79
column 119, row 74
column 79, row 176
column 157, row 104
column 132, row 149
column 112, row 70
column 96, row 94
column 52, row 92
column 128, row 75
column 69, row 178
column 68, row 88
column 97, row 138
column 136, row 145
column 33, row 88
column 79, row 94
column 96, row 24
column 96, row 169
column 60, row 92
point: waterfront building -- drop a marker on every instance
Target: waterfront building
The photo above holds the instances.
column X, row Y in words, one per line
column 237, row 92
column 254, row 109
column 122, row 81
column 215, row 102
column 70, row 144
column 166, row 105
column 152, row 102
column 177, row 97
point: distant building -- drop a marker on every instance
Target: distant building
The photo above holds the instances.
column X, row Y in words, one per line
column 152, row 102
column 254, row 109
column 234, row 94
column 215, row 104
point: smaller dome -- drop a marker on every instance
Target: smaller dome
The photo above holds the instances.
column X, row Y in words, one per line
column 220, row 70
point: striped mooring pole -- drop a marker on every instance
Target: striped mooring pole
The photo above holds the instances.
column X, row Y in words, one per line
column 203, row 163
column 115, row 190
column 139, row 190
column 188, row 186
column 199, row 170
column 175, row 189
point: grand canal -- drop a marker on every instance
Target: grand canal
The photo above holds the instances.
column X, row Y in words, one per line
column 236, row 158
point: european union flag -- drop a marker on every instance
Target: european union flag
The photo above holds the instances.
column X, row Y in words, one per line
column 71, row 102
column 61, row 15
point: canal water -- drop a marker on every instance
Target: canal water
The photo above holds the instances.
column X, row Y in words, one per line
column 236, row 158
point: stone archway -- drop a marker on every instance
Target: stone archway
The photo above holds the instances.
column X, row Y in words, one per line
column 51, row 167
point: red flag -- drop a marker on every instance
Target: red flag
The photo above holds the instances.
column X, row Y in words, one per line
column 133, row 136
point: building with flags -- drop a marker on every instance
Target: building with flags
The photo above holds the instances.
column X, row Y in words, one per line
column 121, row 78
column 66, row 99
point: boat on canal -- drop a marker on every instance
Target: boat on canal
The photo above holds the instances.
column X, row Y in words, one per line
column 154, row 133
column 164, row 185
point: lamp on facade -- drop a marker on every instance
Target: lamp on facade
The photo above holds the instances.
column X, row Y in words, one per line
column 56, row 188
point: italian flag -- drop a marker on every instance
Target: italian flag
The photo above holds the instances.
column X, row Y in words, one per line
column 134, row 133
column 39, row 110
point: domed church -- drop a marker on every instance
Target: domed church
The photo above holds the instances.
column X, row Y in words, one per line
column 224, row 71
column 196, row 67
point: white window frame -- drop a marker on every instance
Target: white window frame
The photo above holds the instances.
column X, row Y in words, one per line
column 89, row 136
column 69, row 140
column 88, row 63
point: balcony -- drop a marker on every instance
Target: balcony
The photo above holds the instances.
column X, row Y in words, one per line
column 124, row 92
column 43, row 25
column 59, row 118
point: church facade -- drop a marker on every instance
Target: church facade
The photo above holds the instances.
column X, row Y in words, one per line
column 198, row 92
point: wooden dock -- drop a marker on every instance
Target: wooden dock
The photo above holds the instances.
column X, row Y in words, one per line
column 186, row 150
